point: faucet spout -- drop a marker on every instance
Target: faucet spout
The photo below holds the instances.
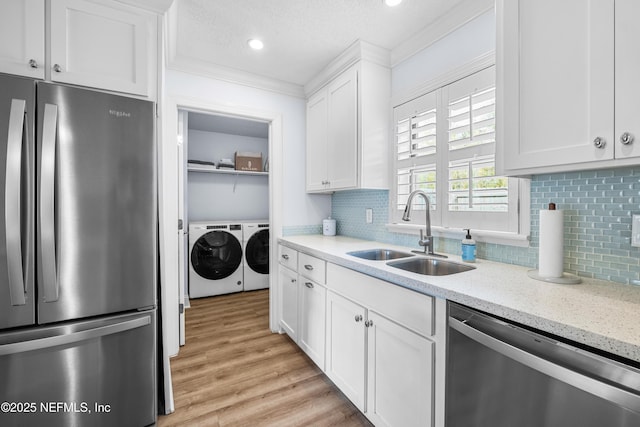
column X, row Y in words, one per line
column 426, row 239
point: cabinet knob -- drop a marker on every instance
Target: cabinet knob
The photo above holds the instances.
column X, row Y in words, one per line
column 33, row 63
column 285, row 256
column 599, row 142
column 293, row 280
column 308, row 285
column 308, row 267
column 57, row 68
column 368, row 323
column 626, row 138
column 358, row 318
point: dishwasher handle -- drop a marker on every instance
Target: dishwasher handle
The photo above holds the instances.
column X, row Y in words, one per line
column 579, row 380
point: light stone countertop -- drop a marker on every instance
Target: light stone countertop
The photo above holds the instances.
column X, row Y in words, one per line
column 601, row 314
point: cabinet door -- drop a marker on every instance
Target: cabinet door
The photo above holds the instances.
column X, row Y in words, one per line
column 345, row 363
column 289, row 292
column 556, row 82
column 627, row 84
column 99, row 46
column 317, row 141
column 312, row 320
column 22, row 32
column 342, row 142
column 400, row 375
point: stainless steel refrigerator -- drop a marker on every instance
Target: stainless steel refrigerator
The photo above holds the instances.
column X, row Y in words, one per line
column 78, row 257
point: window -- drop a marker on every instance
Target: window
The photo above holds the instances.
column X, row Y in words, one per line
column 445, row 143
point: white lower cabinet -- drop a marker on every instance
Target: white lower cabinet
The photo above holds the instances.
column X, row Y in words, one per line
column 346, row 347
column 311, row 333
column 288, row 280
column 303, row 301
column 399, row 375
column 381, row 346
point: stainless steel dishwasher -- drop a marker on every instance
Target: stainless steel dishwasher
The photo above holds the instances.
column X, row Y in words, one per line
column 503, row 375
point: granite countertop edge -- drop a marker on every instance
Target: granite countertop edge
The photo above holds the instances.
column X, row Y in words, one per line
column 581, row 315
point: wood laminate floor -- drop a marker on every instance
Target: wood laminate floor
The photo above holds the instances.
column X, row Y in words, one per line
column 233, row 371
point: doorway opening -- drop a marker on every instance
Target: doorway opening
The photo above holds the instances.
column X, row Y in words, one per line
column 224, row 202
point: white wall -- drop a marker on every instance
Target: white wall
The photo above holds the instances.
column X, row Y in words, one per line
column 471, row 41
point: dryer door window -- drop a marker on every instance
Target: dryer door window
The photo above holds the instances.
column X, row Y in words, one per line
column 257, row 252
column 216, row 255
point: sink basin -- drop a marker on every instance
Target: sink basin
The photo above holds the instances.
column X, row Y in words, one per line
column 430, row 266
column 379, row 254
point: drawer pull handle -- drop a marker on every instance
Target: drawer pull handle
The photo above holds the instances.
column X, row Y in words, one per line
column 308, row 267
column 285, row 256
column 308, row 285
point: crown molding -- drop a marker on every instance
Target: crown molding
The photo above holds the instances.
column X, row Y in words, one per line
column 231, row 75
column 358, row 51
column 454, row 19
column 157, row 6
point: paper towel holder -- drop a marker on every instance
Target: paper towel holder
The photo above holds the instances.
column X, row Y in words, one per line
column 565, row 279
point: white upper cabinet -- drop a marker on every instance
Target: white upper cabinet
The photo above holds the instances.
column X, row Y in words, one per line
column 101, row 46
column 22, row 31
column 567, row 91
column 627, row 53
column 348, row 131
column 97, row 44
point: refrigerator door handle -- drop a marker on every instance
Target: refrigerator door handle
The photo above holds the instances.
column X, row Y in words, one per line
column 13, row 201
column 47, row 203
column 66, row 339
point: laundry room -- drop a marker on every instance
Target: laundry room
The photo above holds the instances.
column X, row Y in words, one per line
column 226, row 203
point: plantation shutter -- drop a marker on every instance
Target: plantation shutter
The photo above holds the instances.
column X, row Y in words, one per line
column 445, row 145
column 416, row 148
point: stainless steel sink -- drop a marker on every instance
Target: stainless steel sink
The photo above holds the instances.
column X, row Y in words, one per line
column 379, row 254
column 430, row 266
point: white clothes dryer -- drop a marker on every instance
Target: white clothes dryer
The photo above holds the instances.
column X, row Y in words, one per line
column 215, row 258
column 256, row 255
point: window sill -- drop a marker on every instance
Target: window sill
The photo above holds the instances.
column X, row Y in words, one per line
column 497, row 237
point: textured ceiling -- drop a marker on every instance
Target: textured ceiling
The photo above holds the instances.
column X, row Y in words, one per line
column 301, row 36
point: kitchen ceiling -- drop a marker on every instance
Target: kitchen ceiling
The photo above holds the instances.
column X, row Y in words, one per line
column 301, row 37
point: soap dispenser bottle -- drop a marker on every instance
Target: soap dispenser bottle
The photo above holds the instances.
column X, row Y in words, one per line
column 468, row 247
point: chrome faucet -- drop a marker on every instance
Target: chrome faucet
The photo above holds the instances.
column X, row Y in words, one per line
column 426, row 239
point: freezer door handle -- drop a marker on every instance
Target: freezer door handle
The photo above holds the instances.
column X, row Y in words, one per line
column 13, row 201
column 66, row 339
column 47, row 203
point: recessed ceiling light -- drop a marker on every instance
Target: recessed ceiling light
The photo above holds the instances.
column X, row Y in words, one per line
column 255, row 44
column 392, row 3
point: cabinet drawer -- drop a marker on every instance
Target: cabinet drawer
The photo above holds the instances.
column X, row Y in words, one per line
column 406, row 307
column 312, row 268
column 288, row 257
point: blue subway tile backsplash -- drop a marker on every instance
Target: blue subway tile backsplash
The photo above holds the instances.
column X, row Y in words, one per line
column 597, row 208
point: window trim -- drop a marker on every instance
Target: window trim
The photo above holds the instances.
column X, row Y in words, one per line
column 518, row 238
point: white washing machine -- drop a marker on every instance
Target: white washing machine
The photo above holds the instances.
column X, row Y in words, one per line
column 215, row 258
column 256, row 255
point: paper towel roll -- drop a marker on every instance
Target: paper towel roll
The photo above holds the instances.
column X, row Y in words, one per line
column 551, row 255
